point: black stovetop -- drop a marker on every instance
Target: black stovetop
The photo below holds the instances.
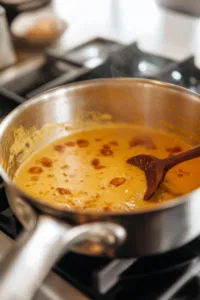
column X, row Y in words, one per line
column 145, row 278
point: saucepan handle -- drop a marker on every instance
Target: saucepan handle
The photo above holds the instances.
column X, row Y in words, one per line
column 33, row 255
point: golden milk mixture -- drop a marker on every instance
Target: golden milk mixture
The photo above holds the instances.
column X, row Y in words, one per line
column 88, row 170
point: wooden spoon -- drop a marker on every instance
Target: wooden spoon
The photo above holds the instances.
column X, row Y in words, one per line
column 155, row 168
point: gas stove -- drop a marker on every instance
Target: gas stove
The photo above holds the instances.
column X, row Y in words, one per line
column 82, row 277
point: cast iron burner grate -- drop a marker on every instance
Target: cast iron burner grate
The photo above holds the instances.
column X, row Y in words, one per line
column 102, row 278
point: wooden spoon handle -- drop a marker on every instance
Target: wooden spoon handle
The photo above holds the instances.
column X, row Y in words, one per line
column 181, row 157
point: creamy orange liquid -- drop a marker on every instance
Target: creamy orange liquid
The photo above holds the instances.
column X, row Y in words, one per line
column 88, row 170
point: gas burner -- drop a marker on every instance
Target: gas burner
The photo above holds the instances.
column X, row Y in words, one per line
column 184, row 73
column 90, row 54
column 129, row 61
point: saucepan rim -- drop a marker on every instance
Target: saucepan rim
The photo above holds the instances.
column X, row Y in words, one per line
column 94, row 82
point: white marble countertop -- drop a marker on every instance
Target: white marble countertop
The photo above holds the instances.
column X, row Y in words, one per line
column 157, row 30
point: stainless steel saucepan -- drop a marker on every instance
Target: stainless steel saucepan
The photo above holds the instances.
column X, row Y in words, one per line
column 51, row 232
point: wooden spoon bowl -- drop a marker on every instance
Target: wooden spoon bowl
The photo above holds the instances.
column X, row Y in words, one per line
column 155, row 168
